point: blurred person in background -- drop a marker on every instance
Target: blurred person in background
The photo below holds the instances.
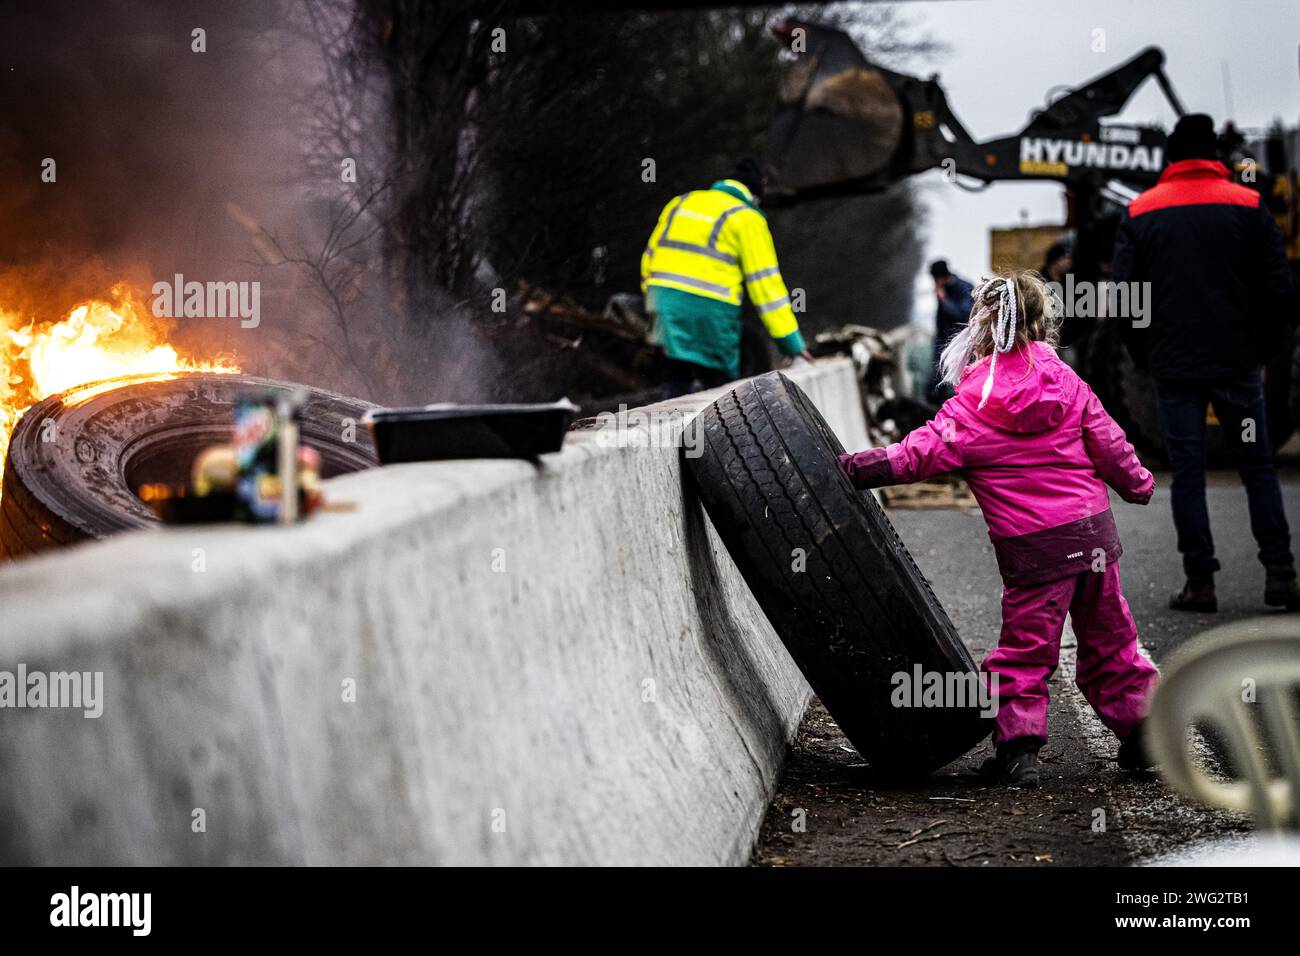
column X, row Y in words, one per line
column 1057, row 262
column 953, row 295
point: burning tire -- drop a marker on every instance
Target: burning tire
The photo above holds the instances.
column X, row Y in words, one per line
column 76, row 460
column 832, row 576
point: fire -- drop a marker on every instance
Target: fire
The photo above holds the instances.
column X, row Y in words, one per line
column 97, row 340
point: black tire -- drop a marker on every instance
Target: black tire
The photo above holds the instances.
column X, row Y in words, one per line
column 860, row 611
column 76, row 459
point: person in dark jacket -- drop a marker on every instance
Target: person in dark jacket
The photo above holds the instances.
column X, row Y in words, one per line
column 1058, row 260
column 954, row 304
column 1219, row 301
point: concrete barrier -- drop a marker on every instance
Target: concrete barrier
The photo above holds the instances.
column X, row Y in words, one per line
column 486, row 662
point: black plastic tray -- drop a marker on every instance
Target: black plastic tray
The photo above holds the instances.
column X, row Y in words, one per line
column 438, row 432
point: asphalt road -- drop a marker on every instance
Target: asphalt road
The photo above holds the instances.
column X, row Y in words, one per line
column 830, row 811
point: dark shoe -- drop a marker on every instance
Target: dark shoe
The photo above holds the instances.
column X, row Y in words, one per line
column 1133, row 753
column 1280, row 588
column 1014, row 765
column 1197, row 595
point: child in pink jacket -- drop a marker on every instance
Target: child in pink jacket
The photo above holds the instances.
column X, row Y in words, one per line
column 1037, row 450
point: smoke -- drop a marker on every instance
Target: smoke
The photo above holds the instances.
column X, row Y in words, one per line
column 134, row 148
column 146, row 138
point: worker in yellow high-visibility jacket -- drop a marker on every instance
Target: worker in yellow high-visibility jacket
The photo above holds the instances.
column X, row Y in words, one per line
column 708, row 246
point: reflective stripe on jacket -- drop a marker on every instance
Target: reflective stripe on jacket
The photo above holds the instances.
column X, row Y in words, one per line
column 712, row 244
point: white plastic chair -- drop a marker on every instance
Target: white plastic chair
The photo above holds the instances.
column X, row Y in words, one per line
column 1208, row 681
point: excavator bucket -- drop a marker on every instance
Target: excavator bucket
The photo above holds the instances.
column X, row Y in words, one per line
column 840, row 120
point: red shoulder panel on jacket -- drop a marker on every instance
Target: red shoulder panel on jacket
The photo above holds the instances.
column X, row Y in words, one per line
column 1193, row 191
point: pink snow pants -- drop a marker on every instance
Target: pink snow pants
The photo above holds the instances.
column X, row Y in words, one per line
column 1113, row 676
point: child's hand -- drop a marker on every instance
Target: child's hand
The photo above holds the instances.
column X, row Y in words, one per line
column 1144, row 492
column 867, row 469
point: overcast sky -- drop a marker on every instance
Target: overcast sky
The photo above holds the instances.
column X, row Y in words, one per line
column 1004, row 55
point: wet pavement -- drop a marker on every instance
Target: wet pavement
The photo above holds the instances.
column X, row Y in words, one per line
column 828, row 809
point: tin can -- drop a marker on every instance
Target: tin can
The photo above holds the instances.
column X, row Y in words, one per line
column 255, row 440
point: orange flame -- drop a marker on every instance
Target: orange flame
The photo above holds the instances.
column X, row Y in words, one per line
column 98, row 340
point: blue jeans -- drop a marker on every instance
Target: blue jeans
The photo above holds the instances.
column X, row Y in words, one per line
column 1239, row 406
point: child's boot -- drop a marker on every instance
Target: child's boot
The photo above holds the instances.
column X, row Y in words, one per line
column 1197, row 595
column 1280, row 589
column 1014, row 765
column 1133, row 753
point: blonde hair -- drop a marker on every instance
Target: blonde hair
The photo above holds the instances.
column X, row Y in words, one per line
column 1011, row 309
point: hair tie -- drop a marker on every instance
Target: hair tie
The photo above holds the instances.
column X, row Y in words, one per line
column 1004, row 331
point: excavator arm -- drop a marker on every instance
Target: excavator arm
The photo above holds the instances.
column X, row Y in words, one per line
column 846, row 126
